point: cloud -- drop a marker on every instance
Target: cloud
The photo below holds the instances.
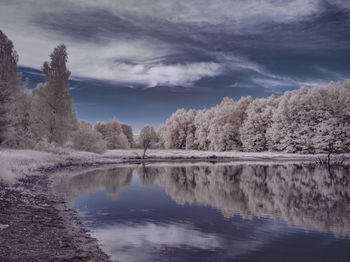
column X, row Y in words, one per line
column 140, row 59
column 145, row 239
column 139, row 62
column 171, row 43
column 212, row 12
column 145, row 242
column 150, row 75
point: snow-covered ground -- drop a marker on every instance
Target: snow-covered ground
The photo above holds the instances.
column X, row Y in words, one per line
column 16, row 163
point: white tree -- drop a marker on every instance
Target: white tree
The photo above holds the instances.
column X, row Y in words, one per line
column 161, row 133
column 332, row 134
column 147, row 138
column 224, row 127
column 180, row 130
column 20, row 130
column 88, row 139
column 15, row 129
column 9, row 82
column 127, row 130
column 290, row 130
column 113, row 134
column 202, row 124
column 310, row 120
column 53, row 116
column 259, row 120
column 101, row 127
column 307, row 120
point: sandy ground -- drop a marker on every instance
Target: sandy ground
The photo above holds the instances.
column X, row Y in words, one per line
column 37, row 225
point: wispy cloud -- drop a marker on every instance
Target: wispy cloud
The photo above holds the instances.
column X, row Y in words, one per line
column 151, row 75
column 172, row 43
column 213, row 12
column 136, row 242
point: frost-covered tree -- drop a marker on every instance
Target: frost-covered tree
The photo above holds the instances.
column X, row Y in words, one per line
column 259, row 119
column 9, row 81
column 147, row 138
column 112, row 133
column 332, row 134
column 307, row 120
column 15, row 99
column 161, row 133
column 311, row 119
column 20, row 129
column 180, row 130
column 213, row 129
column 127, row 130
column 101, row 127
column 53, row 116
column 202, row 124
column 224, row 127
column 88, row 139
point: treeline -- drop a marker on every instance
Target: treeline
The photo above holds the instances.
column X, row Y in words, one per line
column 307, row 120
column 44, row 118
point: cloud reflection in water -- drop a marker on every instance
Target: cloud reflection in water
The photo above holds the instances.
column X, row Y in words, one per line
column 266, row 197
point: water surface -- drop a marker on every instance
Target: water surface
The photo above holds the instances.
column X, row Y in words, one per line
column 216, row 212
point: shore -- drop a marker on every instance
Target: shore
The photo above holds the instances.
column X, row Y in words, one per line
column 37, row 225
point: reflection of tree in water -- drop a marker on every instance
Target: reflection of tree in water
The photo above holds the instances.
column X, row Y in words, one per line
column 147, row 175
column 305, row 196
column 111, row 180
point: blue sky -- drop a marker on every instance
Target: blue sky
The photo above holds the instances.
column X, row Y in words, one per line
column 140, row 60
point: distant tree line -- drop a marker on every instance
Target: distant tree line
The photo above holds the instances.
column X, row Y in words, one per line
column 308, row 120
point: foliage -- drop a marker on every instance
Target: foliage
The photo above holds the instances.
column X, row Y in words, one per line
column 147, row 138
column 88, row 139
column 307, row 120
column 113, row 134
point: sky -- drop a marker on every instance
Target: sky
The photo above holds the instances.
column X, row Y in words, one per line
column 140, row 60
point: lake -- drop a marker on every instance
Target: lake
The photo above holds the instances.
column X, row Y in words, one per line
column 215, row 212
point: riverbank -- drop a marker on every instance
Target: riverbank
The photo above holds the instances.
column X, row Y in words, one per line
column 37, row 225
column 15, row 164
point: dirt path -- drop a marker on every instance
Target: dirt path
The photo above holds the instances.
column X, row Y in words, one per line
column 36, row 225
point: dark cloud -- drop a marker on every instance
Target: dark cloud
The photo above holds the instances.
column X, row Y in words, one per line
column 192, row 53
column 86, row 25
column 298, row 48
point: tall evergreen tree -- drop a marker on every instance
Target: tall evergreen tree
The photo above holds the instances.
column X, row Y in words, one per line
column 9, row 80
column 54, row 117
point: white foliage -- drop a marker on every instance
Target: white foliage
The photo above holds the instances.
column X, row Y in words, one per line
column 148, row 137
column 307, row 120
column 178, row 128
column 53, row 115
column 259, row 119
column 45, row 118
column 127, row 130
column 112, row 133
column 224, row 127
column 312, row 120
column 9, row 83
column 202, row 124
column 88, row 139
column 161, row 133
